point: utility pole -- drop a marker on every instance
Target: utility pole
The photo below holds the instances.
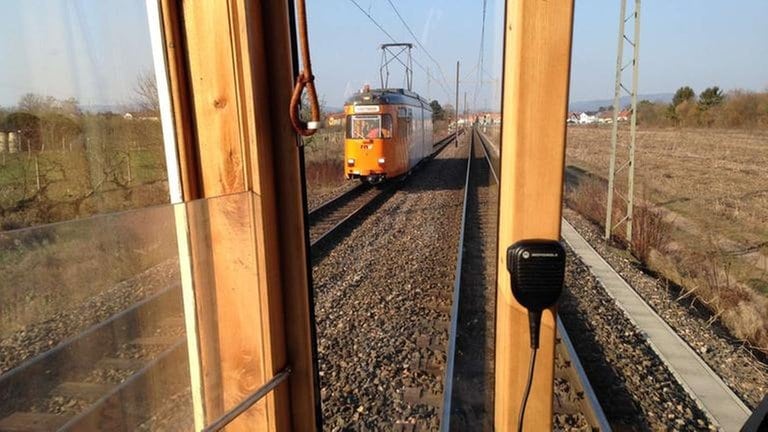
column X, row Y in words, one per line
column 456, row 110
column 466, row 111
column 629, row 163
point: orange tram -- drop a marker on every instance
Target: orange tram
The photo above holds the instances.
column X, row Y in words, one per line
column 388, row 132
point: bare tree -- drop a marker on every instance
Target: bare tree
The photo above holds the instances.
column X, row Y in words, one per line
column 145, row 90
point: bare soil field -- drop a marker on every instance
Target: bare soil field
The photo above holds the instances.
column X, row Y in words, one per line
column 712, row 182
column 710, row 187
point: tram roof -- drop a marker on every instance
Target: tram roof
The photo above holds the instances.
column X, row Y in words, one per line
column 387, row 96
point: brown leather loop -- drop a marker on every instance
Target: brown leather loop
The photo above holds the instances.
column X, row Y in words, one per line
column 305, row 80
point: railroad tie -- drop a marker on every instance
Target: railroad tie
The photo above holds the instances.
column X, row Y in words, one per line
column 419, row 396
column 408, row 426
column 155, row 340
column 120, row 363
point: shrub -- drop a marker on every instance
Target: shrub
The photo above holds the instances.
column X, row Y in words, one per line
column 649, row 231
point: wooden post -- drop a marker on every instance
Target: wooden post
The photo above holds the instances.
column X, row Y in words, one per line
column 537, row 46
column 128, row 165
column 37, row 171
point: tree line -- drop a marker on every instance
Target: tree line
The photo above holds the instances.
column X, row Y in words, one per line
column 710, row 108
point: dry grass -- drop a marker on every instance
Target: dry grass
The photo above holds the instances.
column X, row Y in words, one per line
column 324, row 162
column 706, row 224
column 45, row 267
column 717, row 179
column 650, row 232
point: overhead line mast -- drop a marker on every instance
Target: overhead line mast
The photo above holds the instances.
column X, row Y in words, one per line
column 629, row 163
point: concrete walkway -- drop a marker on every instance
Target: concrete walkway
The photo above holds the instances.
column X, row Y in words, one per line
column 697, row 378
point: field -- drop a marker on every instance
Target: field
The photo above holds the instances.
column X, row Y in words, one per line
column 111, row 164
column 709, row 188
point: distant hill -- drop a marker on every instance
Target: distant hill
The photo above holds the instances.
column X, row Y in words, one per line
column 593, row 105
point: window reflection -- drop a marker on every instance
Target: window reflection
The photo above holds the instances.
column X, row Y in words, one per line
column 80, row 132
column 123, row 327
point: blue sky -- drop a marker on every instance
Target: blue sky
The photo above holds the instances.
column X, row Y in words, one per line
column 93, row 50
column 88, row 49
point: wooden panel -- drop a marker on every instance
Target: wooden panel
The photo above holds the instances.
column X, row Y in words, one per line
column 213, row 83
column 537, row 43
column 276, row 174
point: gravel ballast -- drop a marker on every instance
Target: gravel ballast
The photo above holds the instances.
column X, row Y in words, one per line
column 739, row 367
column 383, row 287
column 73, row 319
column 633, row 385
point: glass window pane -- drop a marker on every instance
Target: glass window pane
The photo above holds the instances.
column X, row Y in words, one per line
column 119, row 322
column 80, row 129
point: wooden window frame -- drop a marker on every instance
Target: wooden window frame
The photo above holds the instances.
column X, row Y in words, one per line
column 233, row 135
column 230, row 66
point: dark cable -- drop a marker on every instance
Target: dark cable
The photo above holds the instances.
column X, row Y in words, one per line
column 534, row 322
column 527, row 390
column 479, row 85
column 426, row 51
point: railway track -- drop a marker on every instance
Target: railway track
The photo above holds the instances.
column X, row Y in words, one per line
column 383, row 299
column 468, row 402
column 332, row 215
column 103, row 378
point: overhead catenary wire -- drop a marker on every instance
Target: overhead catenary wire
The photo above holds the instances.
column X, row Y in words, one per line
column 392, row 38
column 426, row 51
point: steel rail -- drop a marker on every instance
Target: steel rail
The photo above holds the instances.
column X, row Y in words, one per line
column 27, row 371
column 358, row 210
column 134, row 385
column 40, row 375
column 336, row 199
column 445, row 421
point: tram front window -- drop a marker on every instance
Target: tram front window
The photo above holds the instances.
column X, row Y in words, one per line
column 369, row 126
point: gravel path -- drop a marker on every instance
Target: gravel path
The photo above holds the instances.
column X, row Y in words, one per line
column 379, row 290
column 745, row 372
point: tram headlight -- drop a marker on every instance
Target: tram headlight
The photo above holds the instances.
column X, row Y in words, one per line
column 381, row 161
column 351, row 162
